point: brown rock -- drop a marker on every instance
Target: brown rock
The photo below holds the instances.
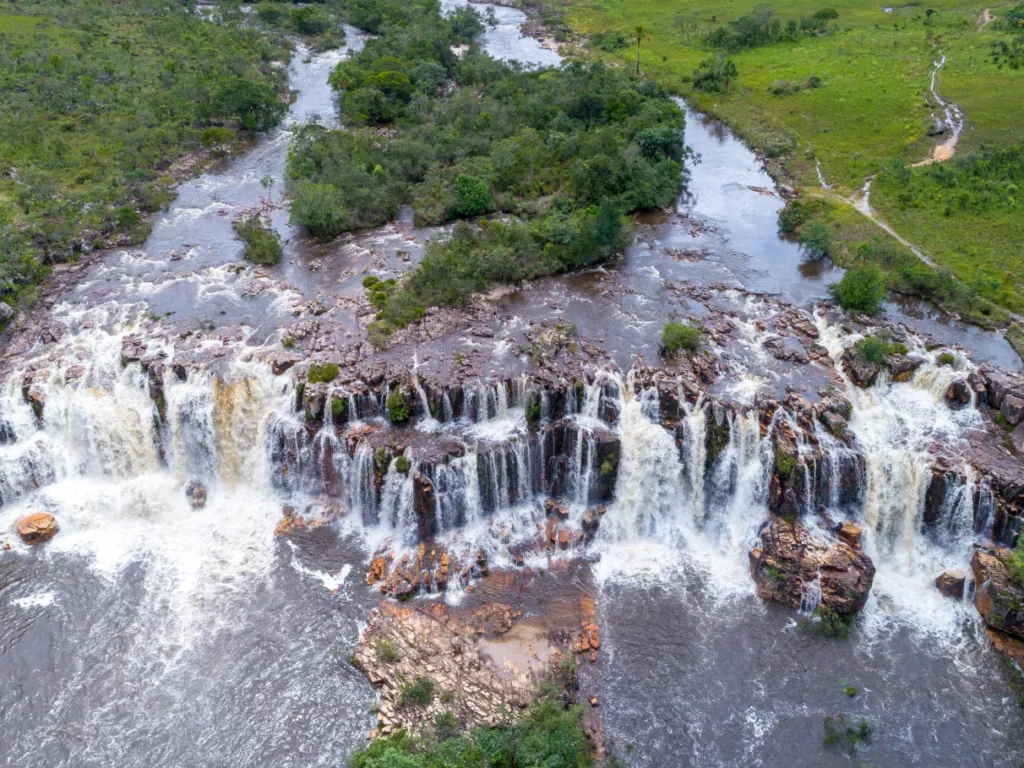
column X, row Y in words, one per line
column 998, row 598
column 790, row 561
column 951, row 583
column 196, row 494
column 849, row 533
column 37, row 527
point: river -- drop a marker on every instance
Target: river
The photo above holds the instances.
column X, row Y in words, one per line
column 151, row 634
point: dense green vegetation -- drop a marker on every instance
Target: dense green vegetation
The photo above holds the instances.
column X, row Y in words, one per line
column 860, row 290
column 846, row 84
column 1015, row 561
column 565, row 153
column 97, row 101
column 262, row 244
column 874, row 349
column 547, row 735
column 677, row 336
column 968, row 213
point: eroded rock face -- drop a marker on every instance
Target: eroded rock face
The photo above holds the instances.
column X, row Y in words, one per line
column 461, row 653
column 37, row 528
column 998, row 598
column 790, row 564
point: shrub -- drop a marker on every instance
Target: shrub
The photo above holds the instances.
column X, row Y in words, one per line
column 214, row 135
column 338, row 406
column 814, row 81
column 472, row 195
column 825, row 621
column 262, row 244
column 370, row 280
column 839, row 732
column 874, row 349
column 398, row 408
column 419, row 692
column 386, row 650
column 403, row 465
column 309, row 20
column 533, row 408
column 860, row 290
column 253, row 105
column 322, row 372
column 816, row 239
column 715, row 74
column 1015, row 561
column 446, row 726
column 676, row 336
column 270, row 13
column 947, row 358
column 320, row 208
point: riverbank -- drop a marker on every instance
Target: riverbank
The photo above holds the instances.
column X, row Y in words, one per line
column 864, row 117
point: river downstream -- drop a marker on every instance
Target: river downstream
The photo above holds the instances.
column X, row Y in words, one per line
column 149, row 633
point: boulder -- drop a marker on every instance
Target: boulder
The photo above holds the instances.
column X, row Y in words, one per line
column 196, row 494
column 1012, row 408
column 958, row 395
column 951, row 583
column 998, row 598
column 902, row 367
column 37, row 527
column 6, row 312
column 863, row 373
column 789, row 561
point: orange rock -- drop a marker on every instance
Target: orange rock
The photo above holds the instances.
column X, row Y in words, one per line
column 378, row 570
column 36, row 528
column 593, row 701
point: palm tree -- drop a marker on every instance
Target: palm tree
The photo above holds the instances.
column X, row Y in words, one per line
column 641, row 34
column 267, row 182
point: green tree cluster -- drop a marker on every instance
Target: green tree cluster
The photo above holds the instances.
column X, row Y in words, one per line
column 548, row 734
column 566, row 152
column 97, row 99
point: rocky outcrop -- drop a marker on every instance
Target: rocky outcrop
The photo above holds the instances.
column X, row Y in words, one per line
column 791, row 566
column 998, row 598
column 478, row 665
column 951, row 583
column 195, row 492
column 36, row 528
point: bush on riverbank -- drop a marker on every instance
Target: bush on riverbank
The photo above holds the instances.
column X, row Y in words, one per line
column 547, row 735
column 861, row 289
column 98, row 101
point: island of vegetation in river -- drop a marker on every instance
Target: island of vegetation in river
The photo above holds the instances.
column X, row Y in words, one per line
column 553, row 159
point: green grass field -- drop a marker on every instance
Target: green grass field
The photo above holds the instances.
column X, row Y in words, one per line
column 871, row 111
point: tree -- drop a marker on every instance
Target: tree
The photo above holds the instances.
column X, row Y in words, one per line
column 253, row 105
column 816, row 239
column 715, row 74
column 472, row 195
column 267, row 182
column 320, row 208
column 860, row 290
column 641, row 34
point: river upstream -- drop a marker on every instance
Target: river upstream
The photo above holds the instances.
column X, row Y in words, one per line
column 149, row 633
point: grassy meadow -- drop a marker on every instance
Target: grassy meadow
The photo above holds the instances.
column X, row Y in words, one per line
column 853, row 95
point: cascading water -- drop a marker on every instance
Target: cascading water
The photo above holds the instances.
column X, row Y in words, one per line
column 897, row 427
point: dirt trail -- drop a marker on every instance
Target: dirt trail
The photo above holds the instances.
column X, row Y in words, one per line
column 985, row 18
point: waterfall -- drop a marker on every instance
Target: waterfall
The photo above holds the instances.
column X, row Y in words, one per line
column 694, row 452
column 396, row 502
column 457, row 490
column 362, row 492
column 898, row 426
